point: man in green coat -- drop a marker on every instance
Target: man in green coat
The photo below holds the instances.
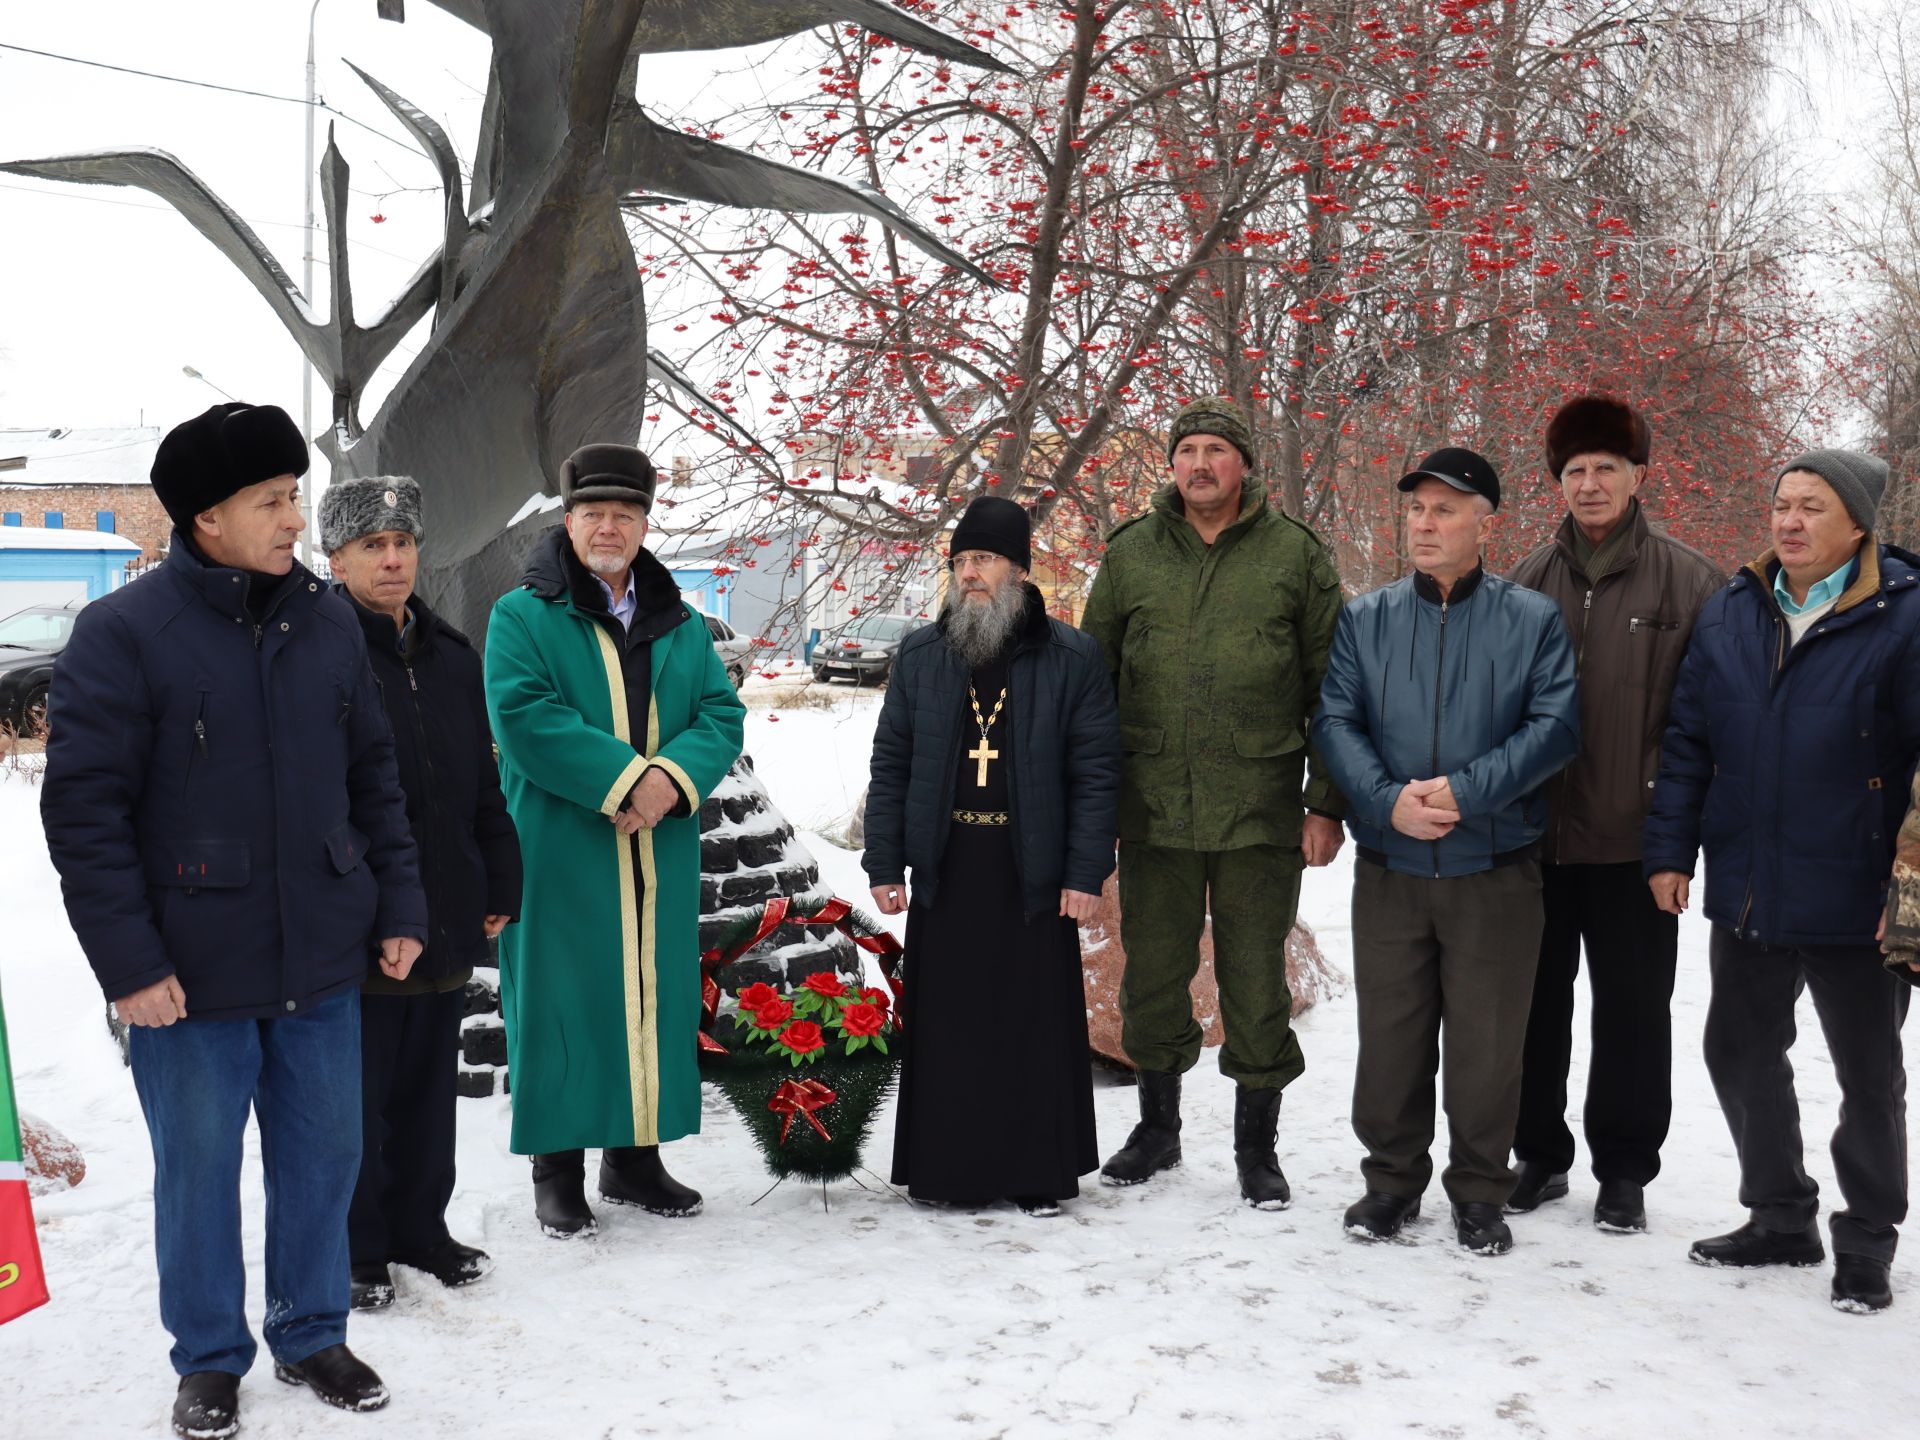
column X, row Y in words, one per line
column 614, row 717
column 1215, row 611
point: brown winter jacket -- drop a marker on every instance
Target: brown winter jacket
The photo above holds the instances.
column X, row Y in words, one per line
column 1902, row 938
column 1629, row 629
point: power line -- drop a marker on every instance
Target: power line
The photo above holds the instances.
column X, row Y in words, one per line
column 211, row 85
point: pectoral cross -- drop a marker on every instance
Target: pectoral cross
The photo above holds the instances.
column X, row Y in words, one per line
column 982, row 754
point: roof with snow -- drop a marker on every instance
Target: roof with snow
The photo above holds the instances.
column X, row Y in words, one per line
column 36, row 537
column 120, row 455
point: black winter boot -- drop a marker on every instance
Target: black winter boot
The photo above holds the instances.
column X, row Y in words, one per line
column 1377, row 1215
column 372, row 1287
column 1479, row 1228
column 1154, row 1144
column 337, row 1376
column 1536, row 1186
column 1621, row 1208
column 1751, row 1246
column 450, row 1262
column 207, row 1406
column 560, row 1194
column 1861, row 1285
column 633, row 1175
column 1256, row 1119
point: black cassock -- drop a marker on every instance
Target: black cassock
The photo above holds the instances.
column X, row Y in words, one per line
column 996, row 1093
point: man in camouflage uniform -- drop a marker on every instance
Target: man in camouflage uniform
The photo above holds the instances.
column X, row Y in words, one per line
column 1900, row 924
column 1215, row 612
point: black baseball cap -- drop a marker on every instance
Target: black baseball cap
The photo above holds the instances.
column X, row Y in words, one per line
column 1459, row 467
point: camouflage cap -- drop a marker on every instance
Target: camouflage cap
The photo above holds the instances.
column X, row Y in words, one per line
column 1213, row 415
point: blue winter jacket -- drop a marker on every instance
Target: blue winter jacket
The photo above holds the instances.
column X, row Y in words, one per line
column 220, row 796
column 1791, row 766
column 1478, row 688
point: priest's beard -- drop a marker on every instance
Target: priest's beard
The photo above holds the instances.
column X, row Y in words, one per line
column 979, row 630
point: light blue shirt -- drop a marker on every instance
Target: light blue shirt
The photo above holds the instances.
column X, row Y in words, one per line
column 1822, row 592
column 623, row 608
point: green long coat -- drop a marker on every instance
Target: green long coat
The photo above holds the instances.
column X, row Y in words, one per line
column 1218, row 651
column 600, row 978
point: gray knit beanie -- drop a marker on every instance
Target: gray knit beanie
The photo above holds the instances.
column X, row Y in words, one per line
column 1859, row 480
column 367, row 505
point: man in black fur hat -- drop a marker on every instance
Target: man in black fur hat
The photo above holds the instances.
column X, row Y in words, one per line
column 222, row 805
column 996, row 780
column 1628, row 593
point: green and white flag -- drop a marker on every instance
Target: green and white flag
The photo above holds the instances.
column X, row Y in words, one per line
column 23, row 1284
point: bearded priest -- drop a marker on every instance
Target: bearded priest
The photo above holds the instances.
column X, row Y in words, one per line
column 996, row 781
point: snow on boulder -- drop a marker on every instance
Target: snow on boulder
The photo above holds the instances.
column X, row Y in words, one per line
column 54, row 1163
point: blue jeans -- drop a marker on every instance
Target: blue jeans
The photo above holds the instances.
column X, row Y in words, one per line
column 197, row 1080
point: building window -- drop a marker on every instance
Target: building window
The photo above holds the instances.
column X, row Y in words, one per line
column 55, row 520
column 12, row 517
column 103, row 522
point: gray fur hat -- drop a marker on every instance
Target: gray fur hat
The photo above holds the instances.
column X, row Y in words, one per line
column 1859, row 480
column 365, row 506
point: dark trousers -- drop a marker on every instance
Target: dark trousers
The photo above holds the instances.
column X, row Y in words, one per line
column 1165, row 898
column 409, row 1048
column 1631, row 946
column 1462, row 951
column 300, row 1077
column 1750, row 1029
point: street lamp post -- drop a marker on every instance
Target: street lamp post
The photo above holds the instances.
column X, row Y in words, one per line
column 306, row 366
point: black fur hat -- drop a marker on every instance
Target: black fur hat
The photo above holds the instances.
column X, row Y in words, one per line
column 1589, row 423
column 221, row 452
column 608, row 472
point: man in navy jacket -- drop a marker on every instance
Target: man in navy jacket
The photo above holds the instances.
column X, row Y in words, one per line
column 1449, row 702
column 222, row 806
column 1789, row 753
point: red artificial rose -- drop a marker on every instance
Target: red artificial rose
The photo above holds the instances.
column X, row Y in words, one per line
column 863, row 1019
column 876, row 998
column 803, row 1037
column 825, row 983
column 756, row 995
column 772, row 1015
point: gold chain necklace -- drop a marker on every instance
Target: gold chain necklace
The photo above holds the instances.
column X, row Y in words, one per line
column 983, row 752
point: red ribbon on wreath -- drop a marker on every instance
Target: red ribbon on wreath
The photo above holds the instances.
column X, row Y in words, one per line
column 801, row 1097
column 836, row 913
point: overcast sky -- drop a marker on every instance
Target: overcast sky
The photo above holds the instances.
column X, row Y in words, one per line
column 105, row 293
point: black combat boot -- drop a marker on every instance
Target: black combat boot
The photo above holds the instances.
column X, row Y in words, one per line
column 1751, row 1245
column 633, row 1175
column 450, row 1262
column 1621, row 1208
column 1154, row 1144
column 1256, row 1118
column 1861, row 1284
column 207, row 1406
column 337, row 1376
column 1377, row 1215
column 372, row 1287
column 560, row 1194
column 1479, row 1228
column 1536, row 1186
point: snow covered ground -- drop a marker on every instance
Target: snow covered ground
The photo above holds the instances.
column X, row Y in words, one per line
column 1139, row 1312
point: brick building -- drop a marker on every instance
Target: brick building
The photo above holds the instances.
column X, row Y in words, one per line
column 84, row 479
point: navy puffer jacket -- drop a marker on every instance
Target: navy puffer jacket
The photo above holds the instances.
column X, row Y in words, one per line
column 220, row 797
column 1479, row 689
column 1791, row 766
column 1065, row 783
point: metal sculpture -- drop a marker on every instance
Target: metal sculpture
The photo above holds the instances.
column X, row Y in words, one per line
column 539, row 321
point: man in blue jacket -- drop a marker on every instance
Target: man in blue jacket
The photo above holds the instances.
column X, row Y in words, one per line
column 1449, row 702
column 1789, row 754
column 222, row 806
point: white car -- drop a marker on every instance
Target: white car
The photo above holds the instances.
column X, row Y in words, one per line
column 736, row 650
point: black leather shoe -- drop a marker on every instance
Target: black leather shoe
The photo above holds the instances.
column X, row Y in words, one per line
column 1861, row 1285
column 633, row 1175
column 1040, row 1207
column 1621, row 1208
column 338, row 1377
column 1480, row 1229
column 1256, row 1122
column 449, row 1262
column 1154, row 1144
column 1536, row 1186
column 1377, row 1215
column 560, row 1195
column 207, row 1406
column 1750, row 1246
column 372, row 1287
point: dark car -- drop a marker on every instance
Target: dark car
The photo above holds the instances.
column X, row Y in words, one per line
column 30, row 640
column 864, row 648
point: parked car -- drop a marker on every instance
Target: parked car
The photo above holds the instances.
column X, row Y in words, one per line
column 736, row 650
column 864, row 648
column 30, row 640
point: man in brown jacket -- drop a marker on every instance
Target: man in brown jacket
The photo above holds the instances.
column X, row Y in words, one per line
column 1629, row 594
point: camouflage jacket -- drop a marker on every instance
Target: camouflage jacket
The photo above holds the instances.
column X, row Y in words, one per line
column 1218, row 653
column 1902, row 938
